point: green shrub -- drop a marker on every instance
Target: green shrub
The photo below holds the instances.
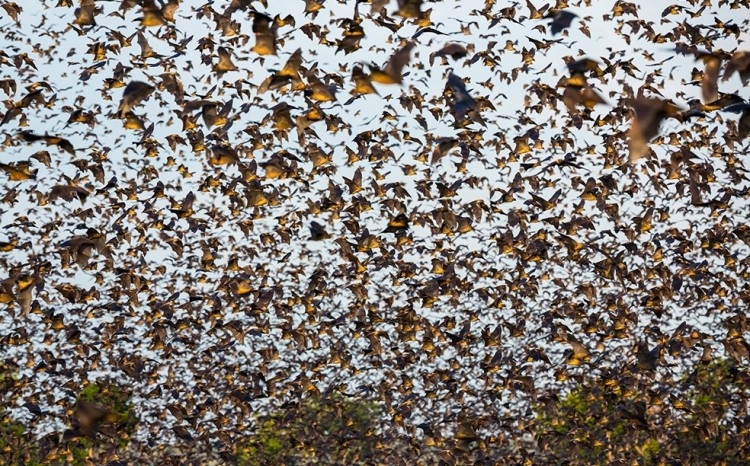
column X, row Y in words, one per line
column 692, row 420
column 716, row 396
column 115, row 399
column 102, row 421
column 335, row 430
column 17, row 446
column 587, row 427
column 81, row 445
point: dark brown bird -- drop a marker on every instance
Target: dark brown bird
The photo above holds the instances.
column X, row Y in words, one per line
column 648, row 114
column 412, row 9
column 264, row 29
column 392, row 73
column 578, row 92
column 743, row 124
column 318, row 232
column 561, row 20
column 135, row 93
column 399, row 224
column 739, row 63
column 289, row 74
column 225, row 62
column 463, row 102
column 362, row 82
column 62, row 143
column 85, row 13
column 709, row 84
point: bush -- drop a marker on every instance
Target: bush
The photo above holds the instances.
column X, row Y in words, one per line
column 102, row 421
column 585, row 427
column 699, row 419
column 17, row 447
column 333, row 430
column 714, row 429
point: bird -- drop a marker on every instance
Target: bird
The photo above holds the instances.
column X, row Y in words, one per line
column 561, row 20
column 577, row 91
column 264, row 28
column 507, row 230
column 133, row 94
column 62, row 143
column 225, row 62
column 463, row 101
column 743, row 124
column 392, row 73
column 648, row 114
column 398, row 224
column 318, row 232
column 739, row 63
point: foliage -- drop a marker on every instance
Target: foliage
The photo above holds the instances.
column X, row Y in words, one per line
column 105, row 432
column 701, row 419
column 113, row 397
column 96, row 443
column 334, row 430
column 7, row 377
column 597, row 422
column 584, row 423
column 717, row 398
column 17, row 446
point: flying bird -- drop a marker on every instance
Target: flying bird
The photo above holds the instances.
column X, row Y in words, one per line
column 264, row 29
column 135, row 93
column 318, row 232
column 648, row 114
column 392, row 73
column 463, row 102
column 225, row 62
column 435, row 269
column 561, row 20
column 62, row 143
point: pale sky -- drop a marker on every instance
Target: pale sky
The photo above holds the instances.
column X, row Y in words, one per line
column 41, row 23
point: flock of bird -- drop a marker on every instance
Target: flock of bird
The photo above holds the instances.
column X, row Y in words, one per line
column 455, row 210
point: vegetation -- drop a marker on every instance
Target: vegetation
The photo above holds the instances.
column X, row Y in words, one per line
column 710, row 431
column 599, row 422
column 588, row 426
column 16, row 445
column 101, row 422
column 335, row 430
column 701, row 420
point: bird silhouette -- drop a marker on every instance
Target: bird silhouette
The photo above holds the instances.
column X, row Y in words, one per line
column 521, row 218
